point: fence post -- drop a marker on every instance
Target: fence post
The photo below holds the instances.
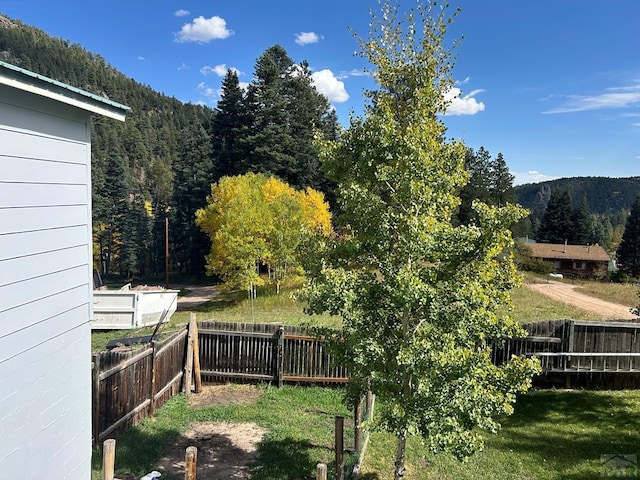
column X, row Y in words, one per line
column 188, row 368
column 321, row 471
column 196, row 354
column 108, row 459
column 153, row 388
column 95, row 386
column 191, row 461
column 339, row 445
column 280, row 351
column 357, row 419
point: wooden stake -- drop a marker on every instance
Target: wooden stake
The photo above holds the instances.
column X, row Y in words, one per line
column 196, row 353
column 321, row 471
column 339, row 433
column 188, row 368
column 108, row 459
column 191, row 461
column 357, row 419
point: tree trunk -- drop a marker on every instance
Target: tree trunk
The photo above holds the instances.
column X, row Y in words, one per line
column 400, row 456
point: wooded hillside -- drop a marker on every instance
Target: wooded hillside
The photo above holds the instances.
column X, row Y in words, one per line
column 162, row 161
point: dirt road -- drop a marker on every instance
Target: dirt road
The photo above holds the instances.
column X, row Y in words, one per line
column 197, row 296
column 564, row 292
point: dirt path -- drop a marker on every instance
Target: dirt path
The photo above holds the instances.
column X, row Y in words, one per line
column 197, row 296
column 563, row 292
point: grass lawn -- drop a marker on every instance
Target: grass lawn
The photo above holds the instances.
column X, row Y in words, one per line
column 553, row 435
column 299, row 423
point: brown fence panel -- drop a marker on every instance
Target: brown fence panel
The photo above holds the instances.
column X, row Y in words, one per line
column 128, row 386
column 238, row 351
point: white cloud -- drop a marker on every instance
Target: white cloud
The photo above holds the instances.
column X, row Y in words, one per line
column 462, row 105
column 353, row 73
column 619, row 97
column 305, row 38
column 327, row 84
column 532, row 176
column 203, row 30
column 207, row 91
column 219, row 70
column 183, row 66
column 140, row 57
column 181, row 13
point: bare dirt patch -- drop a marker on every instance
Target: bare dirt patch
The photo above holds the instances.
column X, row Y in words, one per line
column 225, row 450
column 225, row 394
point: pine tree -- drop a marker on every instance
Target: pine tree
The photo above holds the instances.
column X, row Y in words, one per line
column 230, row 125
column 194, row 174
column 557, row 222
column 628, row 253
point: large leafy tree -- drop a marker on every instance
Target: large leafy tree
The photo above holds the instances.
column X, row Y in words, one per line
column 628, row 253
column 421, row 299
column 253, row 221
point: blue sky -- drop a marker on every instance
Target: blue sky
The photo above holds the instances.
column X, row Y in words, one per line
column 553, row 85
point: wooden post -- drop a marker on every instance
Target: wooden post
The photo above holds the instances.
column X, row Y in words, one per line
column 196, row 353
column 152, row 392
column 357, row 419
column 108, row 459
column 166, row 252
column 321, row 471
column 95, row 387
column 188, row 368
column 280, row 350
column 191, row 461
column 339, row 444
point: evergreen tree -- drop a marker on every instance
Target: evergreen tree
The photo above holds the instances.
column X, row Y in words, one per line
column 582, row 229
column 269, row 143
column 230, row 125
column 194, row 176
column 628, row 253
column 557, row 221
column 501, row 183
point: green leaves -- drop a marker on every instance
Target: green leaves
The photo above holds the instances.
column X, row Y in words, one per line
column 419, row 296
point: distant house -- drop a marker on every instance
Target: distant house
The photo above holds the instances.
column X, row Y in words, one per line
column 45, row 275
column 588, row 261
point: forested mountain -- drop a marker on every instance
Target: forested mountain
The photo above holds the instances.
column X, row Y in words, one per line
column 602, row 203
column 161, row 162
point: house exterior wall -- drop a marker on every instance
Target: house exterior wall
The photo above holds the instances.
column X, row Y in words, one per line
column 45, row 288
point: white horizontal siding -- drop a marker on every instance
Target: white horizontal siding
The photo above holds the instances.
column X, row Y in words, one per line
column 54, row 305
column 45, row 410
column 15, row 245
column 45, row 289
column 40, row 147
column 39, row 218
column 25, row 113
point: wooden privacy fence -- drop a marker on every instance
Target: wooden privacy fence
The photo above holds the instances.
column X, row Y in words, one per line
column 129, row 386
column 268, row 352
column 581, row 353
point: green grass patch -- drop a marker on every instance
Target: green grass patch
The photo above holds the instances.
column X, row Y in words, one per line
column 530, row 306
column 622, row 293
column 553, row 435
column 299, row 423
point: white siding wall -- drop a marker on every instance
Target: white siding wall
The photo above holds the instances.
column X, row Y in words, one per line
column 45, row 289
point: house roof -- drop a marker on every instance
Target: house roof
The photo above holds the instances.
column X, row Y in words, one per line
column 569, row 252
column 28, row 81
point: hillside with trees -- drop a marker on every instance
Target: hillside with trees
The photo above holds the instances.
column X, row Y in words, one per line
column 594, row 209
column 160, row 164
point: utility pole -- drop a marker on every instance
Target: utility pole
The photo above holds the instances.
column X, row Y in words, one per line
column 166, row 252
